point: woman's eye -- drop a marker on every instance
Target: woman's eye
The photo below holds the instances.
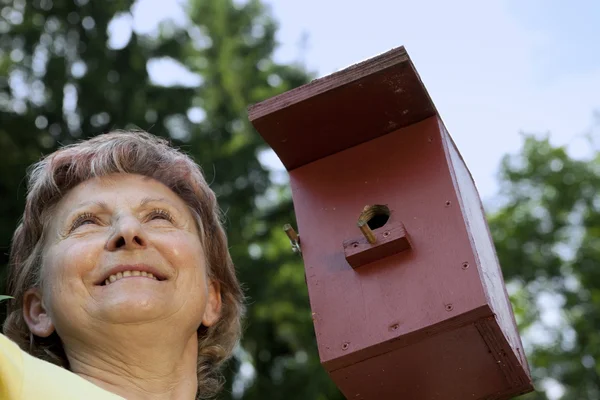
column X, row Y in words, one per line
column 160, row 214
column 83, row 219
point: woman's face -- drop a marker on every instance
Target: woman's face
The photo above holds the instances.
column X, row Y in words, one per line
column 124, row 249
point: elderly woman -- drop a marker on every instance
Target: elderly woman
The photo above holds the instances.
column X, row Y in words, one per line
column 122, row 281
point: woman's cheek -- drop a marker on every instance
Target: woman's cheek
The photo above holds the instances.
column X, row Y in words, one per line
column 71, row 260
column 183, row 250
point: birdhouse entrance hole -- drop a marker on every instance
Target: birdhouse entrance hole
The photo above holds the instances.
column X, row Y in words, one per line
column 375, row 216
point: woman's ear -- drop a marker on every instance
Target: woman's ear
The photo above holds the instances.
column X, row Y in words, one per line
column 35, row 314
column 213, row 304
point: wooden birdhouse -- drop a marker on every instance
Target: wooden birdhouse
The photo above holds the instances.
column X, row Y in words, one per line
column 406, row 291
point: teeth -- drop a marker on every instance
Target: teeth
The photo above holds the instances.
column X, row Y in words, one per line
column 125, row 274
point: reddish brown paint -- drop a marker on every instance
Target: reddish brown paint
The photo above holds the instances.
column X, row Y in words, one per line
column 430, row 322
column 342, row 110
column 391, row 239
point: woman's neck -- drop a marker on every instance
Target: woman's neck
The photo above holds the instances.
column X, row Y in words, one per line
column 136, row 370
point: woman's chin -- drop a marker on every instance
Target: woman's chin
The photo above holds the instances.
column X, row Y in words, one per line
column 133, row 300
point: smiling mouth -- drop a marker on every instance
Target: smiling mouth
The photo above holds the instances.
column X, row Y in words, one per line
column 128, row 274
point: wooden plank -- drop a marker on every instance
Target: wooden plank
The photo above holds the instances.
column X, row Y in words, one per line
column 330, row 82
column 344, row 109
column 391, row 239
column 507, row 361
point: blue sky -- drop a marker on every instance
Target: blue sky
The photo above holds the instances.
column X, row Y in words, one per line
column 571, row 28
column 494, row 68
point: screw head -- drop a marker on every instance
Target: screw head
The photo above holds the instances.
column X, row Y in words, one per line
column 465, row 265
column 448, row 203
column 345, row 346
column 386, row 233
column 449, row 307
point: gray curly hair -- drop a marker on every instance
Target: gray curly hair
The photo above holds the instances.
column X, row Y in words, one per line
column 135, row 152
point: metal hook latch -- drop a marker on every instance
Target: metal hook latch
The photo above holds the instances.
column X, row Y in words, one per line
column 294, row 238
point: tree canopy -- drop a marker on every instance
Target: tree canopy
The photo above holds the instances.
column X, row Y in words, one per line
column 547, row 236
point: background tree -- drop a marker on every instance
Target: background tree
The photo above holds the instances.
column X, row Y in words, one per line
column 547, row 236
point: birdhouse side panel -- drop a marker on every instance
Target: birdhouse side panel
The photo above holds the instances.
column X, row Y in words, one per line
column 413, row 290
column 487, row 261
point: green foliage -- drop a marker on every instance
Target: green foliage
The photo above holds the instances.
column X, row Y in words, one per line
column 547, row 236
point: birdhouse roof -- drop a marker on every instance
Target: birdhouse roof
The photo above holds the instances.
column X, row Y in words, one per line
column 344, row 109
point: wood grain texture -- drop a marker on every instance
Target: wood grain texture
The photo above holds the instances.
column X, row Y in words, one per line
column 507, row 361
column 344, row 109
column 391, row 239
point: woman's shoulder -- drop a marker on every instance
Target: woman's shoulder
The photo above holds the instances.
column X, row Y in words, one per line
column 11, row 369
column 25, row 377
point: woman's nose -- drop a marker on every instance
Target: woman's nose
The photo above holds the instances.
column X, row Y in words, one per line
column 128, row 234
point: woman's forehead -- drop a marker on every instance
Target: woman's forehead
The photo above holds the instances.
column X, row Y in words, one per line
column 127, row 189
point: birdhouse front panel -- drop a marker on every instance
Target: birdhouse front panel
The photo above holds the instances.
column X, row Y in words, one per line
column 390, row 297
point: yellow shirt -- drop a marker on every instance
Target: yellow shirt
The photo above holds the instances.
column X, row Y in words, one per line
column 24, row 377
